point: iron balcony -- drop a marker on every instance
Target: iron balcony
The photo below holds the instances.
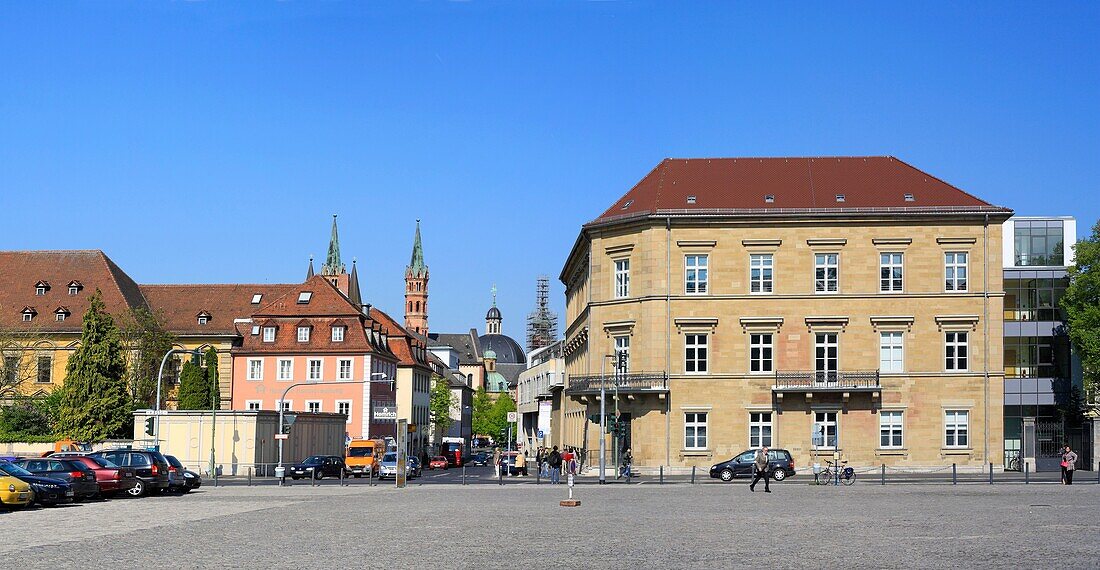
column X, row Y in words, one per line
column 811, row 381
column 631, row 383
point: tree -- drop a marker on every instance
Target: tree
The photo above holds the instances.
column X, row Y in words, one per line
column 499, row 413
column 144, row 333
column 1081, row 305
column 439, row 407
column 96, row 402
column 193, row 394
column 213, row 389
column 19, row 365
column 481, row 423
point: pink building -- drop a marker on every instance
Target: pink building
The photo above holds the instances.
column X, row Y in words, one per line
column 318, row 337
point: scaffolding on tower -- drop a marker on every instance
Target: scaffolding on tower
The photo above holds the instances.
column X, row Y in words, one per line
column 542, row 323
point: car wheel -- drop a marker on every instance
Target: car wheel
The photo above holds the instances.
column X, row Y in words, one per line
column 137, row 490
column 779, row 474
column 318, row 475
column 726, row 475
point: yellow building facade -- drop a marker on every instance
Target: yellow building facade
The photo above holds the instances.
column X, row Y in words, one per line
column 861, row 328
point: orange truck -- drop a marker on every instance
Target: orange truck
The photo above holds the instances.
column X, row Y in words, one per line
column 363, row 455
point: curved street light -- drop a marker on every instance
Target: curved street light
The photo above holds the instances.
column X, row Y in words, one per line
column 160, row 376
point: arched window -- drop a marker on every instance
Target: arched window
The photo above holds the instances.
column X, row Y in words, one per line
column 410, row 306
column 418, row 306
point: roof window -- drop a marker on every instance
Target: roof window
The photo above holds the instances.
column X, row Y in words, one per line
column 75, row 287
column 61, row 314
column 203, row 317
column 910, row 198
column 41, row 287
column 257, row 298
column 691, row 199
column 627, row 204
column 769, row 198
column 304, row 297
column 255, row 330
column 840, row 197
column 29, row 314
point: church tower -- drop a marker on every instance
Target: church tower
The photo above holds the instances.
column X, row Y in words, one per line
column 416, row 289
column 493, row 316
column 335, row 271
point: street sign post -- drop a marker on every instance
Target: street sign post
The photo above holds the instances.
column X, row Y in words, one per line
column 282, row 436
column 513, row 417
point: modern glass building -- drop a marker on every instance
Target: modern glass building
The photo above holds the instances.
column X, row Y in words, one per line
column 1040, row 368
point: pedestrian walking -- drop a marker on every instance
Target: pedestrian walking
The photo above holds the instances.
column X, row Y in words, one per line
column 540, row 462
column 554, row 461
column 760, row 470
column 1069, row 463
column 628, row 461
column 521, row 463
column 496, row 460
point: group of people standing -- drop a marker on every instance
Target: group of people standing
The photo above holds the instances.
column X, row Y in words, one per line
column 552, row 462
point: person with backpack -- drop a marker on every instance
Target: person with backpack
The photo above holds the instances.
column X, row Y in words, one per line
column 554, row 461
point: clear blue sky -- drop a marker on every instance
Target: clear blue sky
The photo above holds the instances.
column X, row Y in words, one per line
column 212, row 141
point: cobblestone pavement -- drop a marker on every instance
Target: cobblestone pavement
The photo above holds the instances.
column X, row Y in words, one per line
column 646, row 525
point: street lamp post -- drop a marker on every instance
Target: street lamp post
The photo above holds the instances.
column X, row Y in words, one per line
column 603, row 415
column 160, row 377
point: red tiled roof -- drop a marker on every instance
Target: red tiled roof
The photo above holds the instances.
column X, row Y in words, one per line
column 180, row 305
column 729, row 185
column 21, row 270
column 401, row 341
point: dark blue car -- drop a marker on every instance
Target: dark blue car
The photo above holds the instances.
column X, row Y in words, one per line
column 47, row 492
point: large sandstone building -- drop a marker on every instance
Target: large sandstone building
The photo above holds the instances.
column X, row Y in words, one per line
column 821, row 305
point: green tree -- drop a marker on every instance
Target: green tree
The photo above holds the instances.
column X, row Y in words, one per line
column 498, row 414
column 439, row 407
column 1081, row 306
column 95, row 399
column 193, row 394
column 481, row 423
column 213, row 390
column 144, row 333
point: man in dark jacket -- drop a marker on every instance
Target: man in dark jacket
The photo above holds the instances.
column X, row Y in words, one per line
column 760, row 470
column 554, row 459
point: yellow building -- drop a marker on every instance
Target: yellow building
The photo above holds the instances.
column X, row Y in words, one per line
column 829, row 305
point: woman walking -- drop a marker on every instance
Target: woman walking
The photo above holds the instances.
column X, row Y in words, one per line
column 1069, row 460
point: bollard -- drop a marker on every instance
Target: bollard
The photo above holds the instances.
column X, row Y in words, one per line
column 342, row 478
column 990, row 473
column 954, row 474
column 500, row 475
column 215, row 476
column 883, row 476
column 370, row 477
column 692, row 474
column 538, row 474
column 662, row 482
column 1027, row 473
column 249, row 476
column 463, row 474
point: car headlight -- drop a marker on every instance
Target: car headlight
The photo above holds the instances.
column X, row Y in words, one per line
column 11, row 488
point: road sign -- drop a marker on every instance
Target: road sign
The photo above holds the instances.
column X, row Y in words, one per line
column 282, row 436
column 542, row 434
column 513, row 417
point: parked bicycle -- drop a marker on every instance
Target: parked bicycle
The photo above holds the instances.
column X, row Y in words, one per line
column 846, row 474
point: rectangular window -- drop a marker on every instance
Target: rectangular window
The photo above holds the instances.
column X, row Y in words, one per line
column 890, row 271
column 889, row 429
column 695, row 353
column 956, row 351
column 256, row 298
column 760, row 273
column 695, row 280
column 955, row 271
column 314, row 374
column 255, row 369
column 760, row 429
column 695, row 430
column 269, row 334
column 622, row 347
column 313, row 406
column 60, row 317
column 286, row 405
column 890, row 352
column 253, row 405
column 286, row 369
column 826, row 356
column 344, row 407
column 622, row 278
column 45, row 369
column 337, row 334
column 11, row 369
column 826, row 272
column 74, row 290
column 957, row 428
column 303, row 334
column 824, row 430
column 1039, row 243
column 760, row 353
column 343, row 369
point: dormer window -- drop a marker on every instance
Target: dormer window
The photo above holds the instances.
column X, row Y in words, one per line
column 28, row 314
column 304, row 297
column 61, row 314
column 75, row 287
column 769, row 198
column 691, row 199
column 257, row 298
column 338, row 333
column 840, row 197
column 303, row 334
column 41, row 287
column 203, row 317
column 269, row 334
column 910, row 198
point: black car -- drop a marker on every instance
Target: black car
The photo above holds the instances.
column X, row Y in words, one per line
column 150, row 467
column 480, row 458
column 318, row 467
column 47, row 492
column 178, row 480
column 779, row 461
column 75, row 473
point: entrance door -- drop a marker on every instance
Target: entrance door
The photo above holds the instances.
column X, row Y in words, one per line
column 1049, row 439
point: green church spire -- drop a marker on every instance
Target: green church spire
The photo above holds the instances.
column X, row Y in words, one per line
column 416, row 265
column 332, row 265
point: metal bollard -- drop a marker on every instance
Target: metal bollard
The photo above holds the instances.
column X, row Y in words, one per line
column 692, row 474
column 249, row 476
column 463, row 474
column 954, row 474
column 342, row 478
column 883, row 476
column 1027, row 473
column 215, row 476
column 991, row 473
column 662, row 481
column 538, row 474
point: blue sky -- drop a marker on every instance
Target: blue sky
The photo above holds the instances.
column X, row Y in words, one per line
column 212, row 141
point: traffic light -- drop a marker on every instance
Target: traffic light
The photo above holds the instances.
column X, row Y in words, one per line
column 150, row 423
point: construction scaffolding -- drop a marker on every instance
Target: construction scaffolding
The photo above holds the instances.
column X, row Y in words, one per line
column 542, row 323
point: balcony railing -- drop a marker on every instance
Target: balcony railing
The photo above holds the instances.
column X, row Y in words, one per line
column 810, row 381
column 632, row 383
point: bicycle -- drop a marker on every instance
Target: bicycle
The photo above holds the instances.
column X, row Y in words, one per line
column 847, row 475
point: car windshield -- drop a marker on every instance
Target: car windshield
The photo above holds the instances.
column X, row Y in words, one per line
column 390, row 457
column 15, row 470
column 173, row 461
column 102, row 462
column 360, row 452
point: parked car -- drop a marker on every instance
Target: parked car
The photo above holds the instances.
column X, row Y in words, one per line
column 14, row 493
column 178, row 481
column 438, row 462
column 318, row 467
column 47, row 492
column 150, row 467
column 779, row 461
column 388, row 466
column 415, row 468
column 480, row 458
column 75, row 473
column 110, row 478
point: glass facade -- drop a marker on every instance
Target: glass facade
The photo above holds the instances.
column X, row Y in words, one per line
column 1039, row 243
column 1034, row 295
